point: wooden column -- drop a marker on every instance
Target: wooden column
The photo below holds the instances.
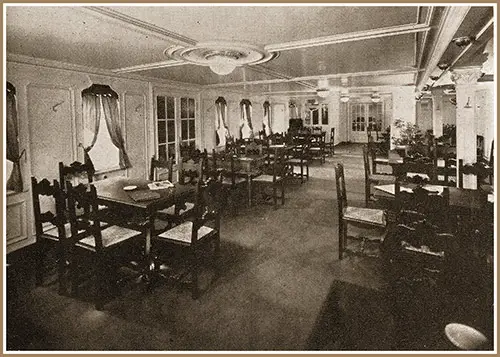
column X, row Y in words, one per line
column 465, row 83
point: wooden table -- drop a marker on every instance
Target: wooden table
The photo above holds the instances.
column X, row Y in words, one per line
column 110, row 192
column 461, row 199
column 250, row 169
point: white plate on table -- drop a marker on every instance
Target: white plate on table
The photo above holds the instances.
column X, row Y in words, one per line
column 130, row 188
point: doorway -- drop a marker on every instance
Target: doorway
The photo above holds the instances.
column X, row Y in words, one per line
column 363, row 118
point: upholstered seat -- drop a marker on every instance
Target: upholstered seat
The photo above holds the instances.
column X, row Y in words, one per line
column 51, row 230
column 365, row 215
column 182, row 233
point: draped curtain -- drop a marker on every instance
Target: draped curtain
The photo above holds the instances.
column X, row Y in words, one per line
column 14, row 182
column 266, row 123
column 92, row 98
column 246, row 129
column 221, row 128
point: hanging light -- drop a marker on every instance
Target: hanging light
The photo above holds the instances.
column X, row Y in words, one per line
column 222, row 65
column 375, row 98
column 323, row 93
column 323, row 88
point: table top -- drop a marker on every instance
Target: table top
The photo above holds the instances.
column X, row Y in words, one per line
column 459, row 197
column 110, row 191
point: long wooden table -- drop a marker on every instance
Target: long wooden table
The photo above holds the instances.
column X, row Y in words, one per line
column 461, row 199
column 110, row 192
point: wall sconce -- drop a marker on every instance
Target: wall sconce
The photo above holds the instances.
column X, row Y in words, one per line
column 463, row 41
column 467, row 105
column 443, row 66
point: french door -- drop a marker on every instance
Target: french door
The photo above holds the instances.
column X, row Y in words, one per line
column 364, row 117
column 175, row 124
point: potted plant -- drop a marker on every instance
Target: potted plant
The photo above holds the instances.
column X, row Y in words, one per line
column 410, row 140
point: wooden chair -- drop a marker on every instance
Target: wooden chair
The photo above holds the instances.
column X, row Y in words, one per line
column 330, row 145
column 377, row 160
column 273, row 176
column 372, row 179
column 106, row 248
column 422, row 252
column 253, row 149
column 160, row 169
column 76, row 171
column 193, row 237
column 229, row 175
column 365, row 224
column 299, row 158
column 446, row 172
column 480, row 170
column 317, row 147
column 51, row 227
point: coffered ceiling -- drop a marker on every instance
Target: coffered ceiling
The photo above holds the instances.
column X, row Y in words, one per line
column 370, row 46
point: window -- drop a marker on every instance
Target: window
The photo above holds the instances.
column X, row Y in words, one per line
column 174, row 127
column 166, row 126
column 102, row 135
column 315, row 116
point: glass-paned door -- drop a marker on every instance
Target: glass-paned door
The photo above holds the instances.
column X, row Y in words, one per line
column 175, row 124
column 365, row 117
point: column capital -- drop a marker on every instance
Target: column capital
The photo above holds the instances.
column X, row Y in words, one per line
column 466, row 76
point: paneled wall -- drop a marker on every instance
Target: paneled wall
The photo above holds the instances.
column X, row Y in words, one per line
column 51, row 129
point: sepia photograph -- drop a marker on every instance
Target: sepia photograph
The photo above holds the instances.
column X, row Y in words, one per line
column 249, row 177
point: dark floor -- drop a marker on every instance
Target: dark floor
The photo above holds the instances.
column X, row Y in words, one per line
column 282, row 288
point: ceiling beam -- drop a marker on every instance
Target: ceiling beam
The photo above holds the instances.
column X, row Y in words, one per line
column 450, row 22
column 310, row 78
column 348, row 37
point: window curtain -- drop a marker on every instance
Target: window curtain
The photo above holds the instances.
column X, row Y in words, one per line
column 112, row 117
column 246, row 129
column 266, row 122
column 92, row 98
column 221, row 129
column 15, row 181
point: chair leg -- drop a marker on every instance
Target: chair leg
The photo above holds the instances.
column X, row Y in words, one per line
column 62, row 276
column 367, row 192
column 195, row 291
column 341, row 240
column 275, row 197
column 301, row 173
column 307, row 171
column 40, row 256
column 100, row 275
column 282, row 193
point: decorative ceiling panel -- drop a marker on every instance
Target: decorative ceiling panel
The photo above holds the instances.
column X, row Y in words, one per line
column 359, row 56
column 73, row 35
column 264, row 25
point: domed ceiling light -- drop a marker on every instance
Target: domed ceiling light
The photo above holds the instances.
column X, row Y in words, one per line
column 323, row 88
column 375, row 97
column 221, row 56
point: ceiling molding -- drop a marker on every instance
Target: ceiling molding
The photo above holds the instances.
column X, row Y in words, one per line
column 452, row 19
column 425, row 37
column 316, row 77
column 141, row 26
column 42, row 62
column 348, row 37
column 148, row 66
column 318, row 41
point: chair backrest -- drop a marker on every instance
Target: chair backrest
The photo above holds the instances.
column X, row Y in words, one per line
column 341, row 191
column 84, row 197
column 208, row 207
column 415, row 172
column 161, row 169
column 447, row 174
column 190, row 171
column 253, row 149
column 75, row 170
column 48, row 198
column 332, row 136
column 480, row 170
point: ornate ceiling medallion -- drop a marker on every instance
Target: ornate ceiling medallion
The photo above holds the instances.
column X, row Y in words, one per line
column 221, row 56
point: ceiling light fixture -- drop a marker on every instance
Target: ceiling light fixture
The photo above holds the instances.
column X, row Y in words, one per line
column 323, row 88
column 221, row 56
column 375, row 98
column 463, row 41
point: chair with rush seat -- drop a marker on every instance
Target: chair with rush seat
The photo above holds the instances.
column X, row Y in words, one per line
column 357, row 223
column 181, row 248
